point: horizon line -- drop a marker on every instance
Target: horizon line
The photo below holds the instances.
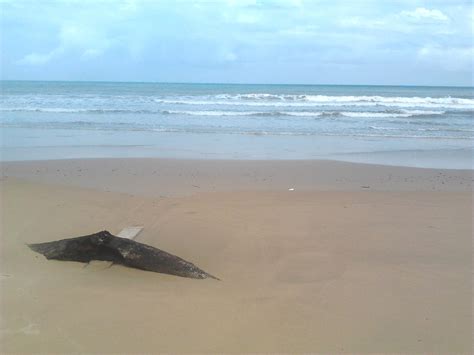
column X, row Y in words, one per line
column 233, row 83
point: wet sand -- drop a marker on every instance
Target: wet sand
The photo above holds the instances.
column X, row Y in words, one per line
column 356, row 259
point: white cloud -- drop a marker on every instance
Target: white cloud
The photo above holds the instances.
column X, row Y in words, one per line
column 89, row 43
column 420, row 20
column 41, row 58
column 36, row 58
column 421, row 13
column 449, row 58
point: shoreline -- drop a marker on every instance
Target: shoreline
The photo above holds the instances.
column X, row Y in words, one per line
column 22, row 144
column 280, row 160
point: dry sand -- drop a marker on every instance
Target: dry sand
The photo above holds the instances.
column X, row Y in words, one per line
column 358, row 258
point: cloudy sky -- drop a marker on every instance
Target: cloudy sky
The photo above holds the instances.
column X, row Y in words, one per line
column 407, row 42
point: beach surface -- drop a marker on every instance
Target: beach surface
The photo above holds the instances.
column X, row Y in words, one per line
column 313, row 256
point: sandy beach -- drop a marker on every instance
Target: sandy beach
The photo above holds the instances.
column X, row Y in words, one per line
column 355, row 259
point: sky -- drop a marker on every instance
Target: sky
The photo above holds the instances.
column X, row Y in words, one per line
column 377, row 42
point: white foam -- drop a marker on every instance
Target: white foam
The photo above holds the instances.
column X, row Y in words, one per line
column 316, row 101
column 68, row 110
column 41, row 109
column 135, row 103
column 355, row 114
column 327, row 113
column 346, row 99
column 213, row 113
column 402, row 114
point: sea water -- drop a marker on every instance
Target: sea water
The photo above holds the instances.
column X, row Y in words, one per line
column 415, row 126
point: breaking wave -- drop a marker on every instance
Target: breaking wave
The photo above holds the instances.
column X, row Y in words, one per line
column 321, row 100
column 356, row 114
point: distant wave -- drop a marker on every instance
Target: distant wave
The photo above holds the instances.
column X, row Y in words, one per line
column 73, row 110
column 391, row 113
column 321, row 100
column 356, row 114
column 331, row 99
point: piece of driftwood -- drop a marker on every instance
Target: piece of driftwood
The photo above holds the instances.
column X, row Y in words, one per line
column 107, row 247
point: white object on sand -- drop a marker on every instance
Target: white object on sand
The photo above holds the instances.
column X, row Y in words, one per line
column 130, row 232
column 291, row 189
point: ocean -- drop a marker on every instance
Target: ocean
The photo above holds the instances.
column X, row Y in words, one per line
column 413, row 126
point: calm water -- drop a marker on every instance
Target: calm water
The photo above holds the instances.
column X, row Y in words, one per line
column 235, row 121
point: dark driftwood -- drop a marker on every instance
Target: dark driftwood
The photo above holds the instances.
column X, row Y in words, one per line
column 107, row 247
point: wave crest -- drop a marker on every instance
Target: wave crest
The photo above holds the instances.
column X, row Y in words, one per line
column 219, row 113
